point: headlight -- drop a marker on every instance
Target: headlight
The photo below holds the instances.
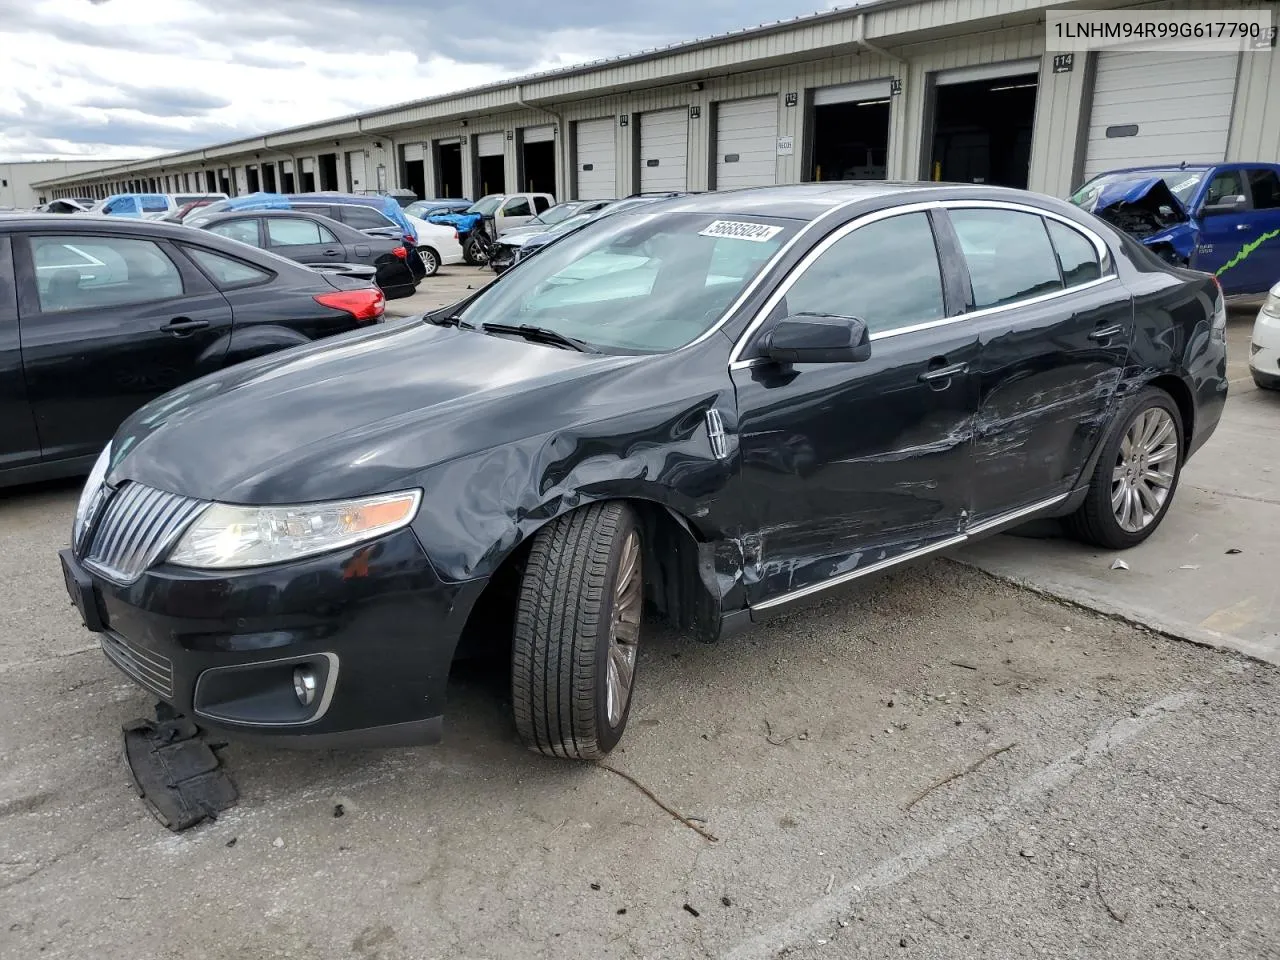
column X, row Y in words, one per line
column 91, row 495
column 227, row 537
column 1272, row 307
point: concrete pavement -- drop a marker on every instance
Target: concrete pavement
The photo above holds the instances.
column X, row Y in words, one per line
column 1187, row 579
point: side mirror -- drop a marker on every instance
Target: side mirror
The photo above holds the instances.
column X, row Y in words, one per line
column 818, row 338
column 1229, row 204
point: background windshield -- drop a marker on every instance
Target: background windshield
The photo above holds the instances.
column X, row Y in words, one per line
column 486, row 205
column 635, row 283
column 561, row 211
column 1182, row 184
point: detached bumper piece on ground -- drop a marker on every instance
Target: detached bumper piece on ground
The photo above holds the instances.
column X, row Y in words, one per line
column 176, row 772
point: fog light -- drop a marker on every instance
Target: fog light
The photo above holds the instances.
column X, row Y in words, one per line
column 304, row 685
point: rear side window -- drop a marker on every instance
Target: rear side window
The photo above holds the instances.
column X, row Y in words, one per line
column 1076, row 253
column 885, row 273
column 283, row 232
column 1008, row 254
column 246, row 231
column 226, row 271
column 541, row 203
column 1266, row 189
column 83, row 273
column 364, row 218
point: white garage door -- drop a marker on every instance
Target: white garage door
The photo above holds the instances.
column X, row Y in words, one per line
column 664, row 150
column 747, row 143
column 489, row 145
column 539, row 134
column 1153, row 108
column 597, row 159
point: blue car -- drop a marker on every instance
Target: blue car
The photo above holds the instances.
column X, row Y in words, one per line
column 1222, row 218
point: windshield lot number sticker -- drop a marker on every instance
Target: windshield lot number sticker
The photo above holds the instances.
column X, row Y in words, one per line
column 736, row 230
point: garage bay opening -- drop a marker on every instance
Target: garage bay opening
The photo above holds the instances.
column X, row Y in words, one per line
column 415, row 169
column 538, row 160
column 448, row 169
column 849, row 137
column 491, row 167
column 982, row 121
column 328, row 171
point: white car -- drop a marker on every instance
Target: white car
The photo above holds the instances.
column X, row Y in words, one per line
column 440, row 241
column 512, row 209
column 1264, row 350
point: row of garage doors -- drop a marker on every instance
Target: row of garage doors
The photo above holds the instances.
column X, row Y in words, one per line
column 1148, row 108
column 746, row 149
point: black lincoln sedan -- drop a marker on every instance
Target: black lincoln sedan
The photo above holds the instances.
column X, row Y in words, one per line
column 319, row 241
column 99, row 315
column 708, row 409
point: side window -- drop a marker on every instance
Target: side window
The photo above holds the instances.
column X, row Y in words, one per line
column 1229, row 183
column 246, row 231
column 1008, row 253
column 886, row 273
column 541, row 203
column 225, row 271
column 282, row 232
column 518, row 207
column 154, row 204
column 364, row 218
column 82, row 273
column 1077, row 255
column 1266, row 188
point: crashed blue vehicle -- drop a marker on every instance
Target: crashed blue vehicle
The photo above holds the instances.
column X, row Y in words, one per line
column 1221, row 218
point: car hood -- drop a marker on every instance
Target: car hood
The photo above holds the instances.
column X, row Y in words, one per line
column 524, row 231
column 1138, row 190
column 356, row 414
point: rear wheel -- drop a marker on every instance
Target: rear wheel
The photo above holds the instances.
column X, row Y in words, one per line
column 1136, row 476
column 430, row 260
column 577, row 633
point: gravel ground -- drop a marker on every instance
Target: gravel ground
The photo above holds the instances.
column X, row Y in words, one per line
column 1134, row 813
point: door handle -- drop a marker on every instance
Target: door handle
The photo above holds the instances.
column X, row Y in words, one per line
column 180, row 326
column 333, row 253
column 938, row 377
column 1106, row 333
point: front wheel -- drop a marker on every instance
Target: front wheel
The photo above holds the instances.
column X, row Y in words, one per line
column 476, row 251
column 430, row 260
column 577, row 633
column 1136, row 476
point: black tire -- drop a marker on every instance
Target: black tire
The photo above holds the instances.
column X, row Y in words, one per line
column 562, row 636
column 475, row 252
column 1095, row 521
column 430, row 260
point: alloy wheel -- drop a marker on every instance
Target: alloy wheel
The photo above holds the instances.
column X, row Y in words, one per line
column 624, row 631
column 1145, row 468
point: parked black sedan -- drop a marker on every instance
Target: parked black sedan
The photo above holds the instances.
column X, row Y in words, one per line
column 314, row 239
column 714, row 407
column 98, row 315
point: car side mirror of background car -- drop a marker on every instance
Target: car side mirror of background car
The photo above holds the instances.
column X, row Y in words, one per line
column 1229, row 204
column 818, row 338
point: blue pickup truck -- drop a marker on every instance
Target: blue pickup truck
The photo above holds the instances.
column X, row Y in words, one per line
column 1221, row 218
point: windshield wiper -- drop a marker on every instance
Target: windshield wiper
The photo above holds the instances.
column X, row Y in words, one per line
column 453, row 320
column 540, row 335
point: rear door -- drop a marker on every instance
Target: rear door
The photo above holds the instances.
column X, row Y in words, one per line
column 19, row 442
column 107, row 323
column 515, row 212
column 1054, row 326
column 243, row 229
column 303, row 239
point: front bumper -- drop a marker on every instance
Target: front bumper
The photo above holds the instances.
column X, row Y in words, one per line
column 373, row 623
column 1264, row 350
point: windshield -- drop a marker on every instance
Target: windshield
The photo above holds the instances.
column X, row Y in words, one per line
column 487, row 206
column 636, row 283
column 1181, row 183
column 556, row 214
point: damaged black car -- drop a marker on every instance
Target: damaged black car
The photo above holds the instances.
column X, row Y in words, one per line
column 709, row 410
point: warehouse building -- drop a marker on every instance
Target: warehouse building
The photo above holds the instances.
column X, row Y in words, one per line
column 18, row 179
column 958, row 90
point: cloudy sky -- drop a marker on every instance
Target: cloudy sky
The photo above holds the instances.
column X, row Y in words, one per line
column 133, row 78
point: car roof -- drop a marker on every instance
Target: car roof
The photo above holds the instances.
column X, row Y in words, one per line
column 99, row 223
column 1158, row 166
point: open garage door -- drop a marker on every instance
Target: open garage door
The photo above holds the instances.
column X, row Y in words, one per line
column 664, row 150
column 414, row 157
column 448, row 168
column 596, row 160
column 490, row 165
column 746, row 143
column 849, row 131
column 538, row 159
column 982, row 122
column 1153, row 108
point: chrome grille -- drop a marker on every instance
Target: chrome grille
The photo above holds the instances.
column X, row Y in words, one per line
column 137, row 525
column 151, row 670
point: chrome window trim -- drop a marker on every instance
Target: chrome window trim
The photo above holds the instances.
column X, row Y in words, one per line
column 1104, row 258
column 955, row 541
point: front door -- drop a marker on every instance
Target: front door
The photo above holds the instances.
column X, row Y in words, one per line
column 1255, row 264
column 847, row 466
column 19, row 442
column 1055, row 337
column 1227, row 245
column 107, row 323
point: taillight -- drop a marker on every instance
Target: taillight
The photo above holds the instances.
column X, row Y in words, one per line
column 400, row 253
column 364, row 304
column 408, row 240
column 456, row 238
column 1218, row 326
